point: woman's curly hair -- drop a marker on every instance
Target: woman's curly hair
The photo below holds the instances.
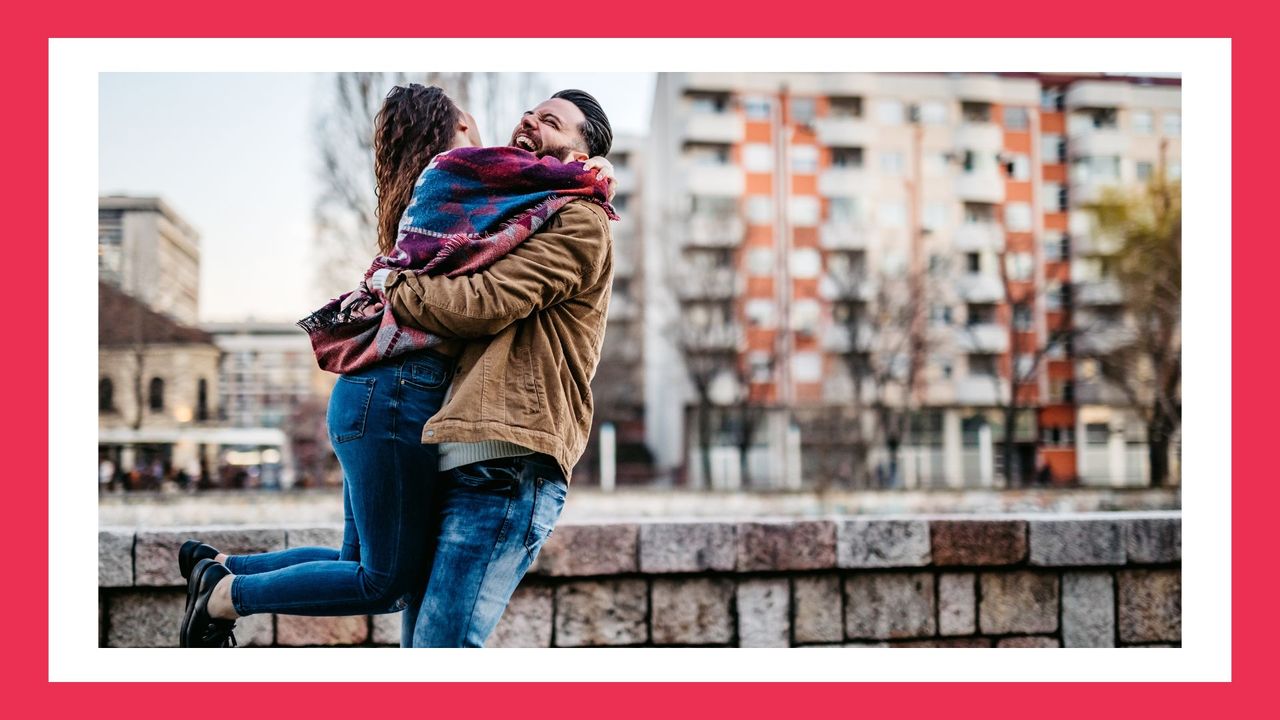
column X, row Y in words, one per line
column 415, row 124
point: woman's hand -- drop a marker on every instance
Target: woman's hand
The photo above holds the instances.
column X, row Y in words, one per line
column 604, row 172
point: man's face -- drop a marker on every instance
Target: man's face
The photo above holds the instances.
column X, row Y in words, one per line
column 551, row 128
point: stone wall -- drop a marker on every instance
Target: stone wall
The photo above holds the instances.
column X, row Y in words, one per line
column 1084, row 580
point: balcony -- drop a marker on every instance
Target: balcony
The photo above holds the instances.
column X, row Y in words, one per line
column 714, row 127
column 727, row 337
column 985, row 186
column 1089, row 94
column 983, row 338
column 836, row 235
column 982, row 390
column 708, row 284
column 843, row 132
column 839, row 338
column 846, row 286
column 979, row 136
column 1104, row 340
column 715, row 180
column 1098, row 392
column 977, row 288
column 715, row 231
column 844, row 182
column 978, row 88
column 1099, row 292
column 1098, row 143
column 978, row 237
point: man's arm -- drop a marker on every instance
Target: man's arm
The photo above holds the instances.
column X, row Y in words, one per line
column 555, row 263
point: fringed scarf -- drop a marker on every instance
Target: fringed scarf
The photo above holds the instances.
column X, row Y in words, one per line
column 470, row 207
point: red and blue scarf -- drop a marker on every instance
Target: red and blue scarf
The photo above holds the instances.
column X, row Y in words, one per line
column 470, row 207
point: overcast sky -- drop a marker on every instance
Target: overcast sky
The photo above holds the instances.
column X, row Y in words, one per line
column 233, row 153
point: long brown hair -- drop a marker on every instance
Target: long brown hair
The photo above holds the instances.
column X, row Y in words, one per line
column 415, row 124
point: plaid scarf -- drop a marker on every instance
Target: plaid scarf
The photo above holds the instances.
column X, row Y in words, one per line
column 470, row 207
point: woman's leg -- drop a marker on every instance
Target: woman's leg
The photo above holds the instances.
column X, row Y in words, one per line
column 375, row 422
column 268, row 561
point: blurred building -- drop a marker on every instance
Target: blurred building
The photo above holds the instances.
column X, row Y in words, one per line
column 148, row 251
column 157, row 391
column 824, row 248
column 618, row 387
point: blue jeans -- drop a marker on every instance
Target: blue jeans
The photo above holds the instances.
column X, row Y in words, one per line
column 375, row 423
column 490, row 520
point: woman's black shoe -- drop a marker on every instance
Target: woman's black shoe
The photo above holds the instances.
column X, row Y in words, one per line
column 192, row 552
column 199, row 628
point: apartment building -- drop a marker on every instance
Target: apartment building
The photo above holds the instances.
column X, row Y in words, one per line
column 887, row 258
column 150, row 253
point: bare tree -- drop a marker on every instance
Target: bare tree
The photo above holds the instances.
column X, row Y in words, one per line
column 1145, row 361
column 343, row 213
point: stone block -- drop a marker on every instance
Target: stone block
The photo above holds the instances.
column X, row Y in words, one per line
column 819, row 609
column 526, row 623
column 1155, row 540
column 1150, row 604
column 304, row 631
column 1029, row 641
column 687, row 547
column 968, row 642
column 597, row 613
column 693, row 611
column 577, row 550
column 1071, row 542
column 145, row 618
column 978, row 542
column 327, row 536
column 115, row 558
column 385, row 627
column 1018, row 602
column 1088, row 610
column 886, row 606
column 156, row 551
column 786, row 545
column 256, row 630
column 957, row 604
column 764, row 613
column 867, row 543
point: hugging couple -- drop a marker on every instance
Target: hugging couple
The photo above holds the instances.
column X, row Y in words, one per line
column 465, row 358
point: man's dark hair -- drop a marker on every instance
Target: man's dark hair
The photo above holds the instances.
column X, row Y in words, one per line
column 596, row 131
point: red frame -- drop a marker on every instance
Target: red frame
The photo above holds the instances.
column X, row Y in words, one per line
column 26, row 47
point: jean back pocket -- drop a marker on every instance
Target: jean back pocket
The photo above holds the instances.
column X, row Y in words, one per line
column 349, row 408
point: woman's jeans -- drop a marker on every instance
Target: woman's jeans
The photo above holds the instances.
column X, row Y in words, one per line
column 452, row 546
column 375, row 422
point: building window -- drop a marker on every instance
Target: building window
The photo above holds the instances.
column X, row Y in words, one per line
column 760, row 313
column 1016, row 118
column 844, row 210
column 155, row 395
column 1175, row 171
column 1022, row 318
column 846, row 107
column 805, row 316
column 700, row 102
column 892, row 163
column 935, row 216
column 714, row 207
column 1052, row 149
column 806, row 263
column 807, row 366
column 757, row 108
column 1053, row 246
column 1171, row 123
column 1143, row 169
column 1024, row 365
column 973, row 263
column 940, row 314
column 975, row 112
column 1141, row 122
column 106, row 396
column 1051, row 99
column 804, row 159
column 1018, row 167
column 1019, row 266
column 933, row 112
column 202, row 396
column 890, row 112
column 893, row 215
column 1017, row 216
column 846, row 157
column 1055, row 197
column 982, row 365
column 980, row 314
column 759, row 209
column 802, row 111
column 707, row 153
column 757, row 157
column 979, row 213
column 1097, row 434
column 805, row 210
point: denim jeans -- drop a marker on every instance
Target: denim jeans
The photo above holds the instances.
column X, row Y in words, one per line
column 375, row 423
column 490, row 519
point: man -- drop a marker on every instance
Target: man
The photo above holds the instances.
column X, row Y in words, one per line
column 518, row 413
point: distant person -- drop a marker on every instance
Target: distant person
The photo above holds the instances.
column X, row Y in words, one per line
column 106, row 475
column 440, row 542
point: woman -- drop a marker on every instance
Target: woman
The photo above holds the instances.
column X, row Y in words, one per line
column 387, row 392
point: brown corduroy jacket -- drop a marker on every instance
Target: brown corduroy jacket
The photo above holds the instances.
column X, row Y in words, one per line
column 529, row 330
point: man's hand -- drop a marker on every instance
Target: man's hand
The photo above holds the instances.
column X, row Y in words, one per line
column 604, row 172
